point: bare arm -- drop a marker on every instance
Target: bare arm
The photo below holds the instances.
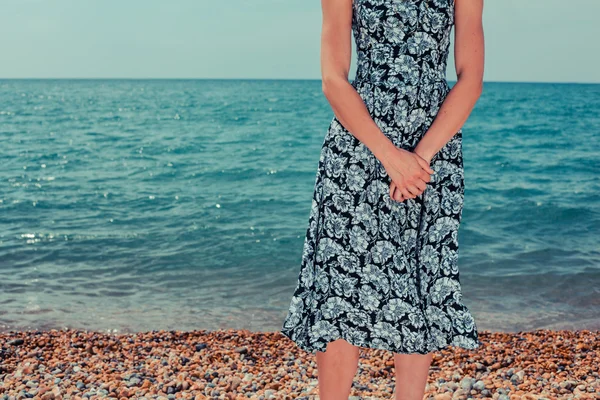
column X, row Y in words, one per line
column 407, row 169
column 469, row 61
column 336, row 53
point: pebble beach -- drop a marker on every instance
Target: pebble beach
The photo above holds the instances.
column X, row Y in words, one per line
column 241, row 364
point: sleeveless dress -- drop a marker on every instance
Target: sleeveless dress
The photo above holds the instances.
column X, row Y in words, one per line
column 376, row 272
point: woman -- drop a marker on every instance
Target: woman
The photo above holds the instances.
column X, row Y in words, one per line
column 379, row 266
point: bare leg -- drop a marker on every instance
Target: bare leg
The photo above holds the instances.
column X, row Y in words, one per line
column 336, row 368
column 411, row 372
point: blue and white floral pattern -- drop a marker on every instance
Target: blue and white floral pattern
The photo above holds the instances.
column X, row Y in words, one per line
column 376, row 272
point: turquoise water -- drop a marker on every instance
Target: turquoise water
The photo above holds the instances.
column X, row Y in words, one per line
column 148, row 204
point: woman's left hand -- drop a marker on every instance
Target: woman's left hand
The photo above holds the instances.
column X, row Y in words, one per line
column 396, row 194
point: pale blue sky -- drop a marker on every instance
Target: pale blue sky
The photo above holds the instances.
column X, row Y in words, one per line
column 526, row 40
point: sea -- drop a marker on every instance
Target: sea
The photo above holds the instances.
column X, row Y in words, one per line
column 138, row 205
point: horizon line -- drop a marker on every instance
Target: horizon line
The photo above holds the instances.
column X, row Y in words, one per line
column 253, row 79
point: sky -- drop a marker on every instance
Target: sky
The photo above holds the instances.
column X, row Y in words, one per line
column 526, row 40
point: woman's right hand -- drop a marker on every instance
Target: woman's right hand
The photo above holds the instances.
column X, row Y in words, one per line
column 408, row 171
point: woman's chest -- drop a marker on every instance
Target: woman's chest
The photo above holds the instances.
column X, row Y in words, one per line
column 393, row 21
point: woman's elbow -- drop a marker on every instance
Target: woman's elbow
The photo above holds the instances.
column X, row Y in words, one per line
column 478, row 87
column 326, row 87
column 329, row 85
column 474, row 83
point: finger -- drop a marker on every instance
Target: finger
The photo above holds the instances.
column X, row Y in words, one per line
column 394, row 193
column 413, row 190
column 394, row 190
column 424, row 164
column 405, row 193
column 425, row 176
column 398, row 196
column 422, row 185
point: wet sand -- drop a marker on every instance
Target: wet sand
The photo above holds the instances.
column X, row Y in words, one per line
column 239, row 364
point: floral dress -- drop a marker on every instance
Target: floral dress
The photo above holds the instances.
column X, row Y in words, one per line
column 377, row 272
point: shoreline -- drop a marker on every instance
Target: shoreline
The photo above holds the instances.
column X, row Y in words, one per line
column 242, row 364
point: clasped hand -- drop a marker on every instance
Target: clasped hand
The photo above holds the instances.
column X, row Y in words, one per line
column 409, row 173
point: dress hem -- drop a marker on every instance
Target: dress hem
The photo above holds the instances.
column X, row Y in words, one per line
column 470, row 345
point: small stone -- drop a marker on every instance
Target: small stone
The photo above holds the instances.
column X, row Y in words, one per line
column 460, row 394
column 518, row 377
column 201, row 346
column 467, row 383
column 133, row 382
column 235, row 382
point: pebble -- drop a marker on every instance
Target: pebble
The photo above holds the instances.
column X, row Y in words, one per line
column 238, row 364
column 467, row 383
column 201, row 346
